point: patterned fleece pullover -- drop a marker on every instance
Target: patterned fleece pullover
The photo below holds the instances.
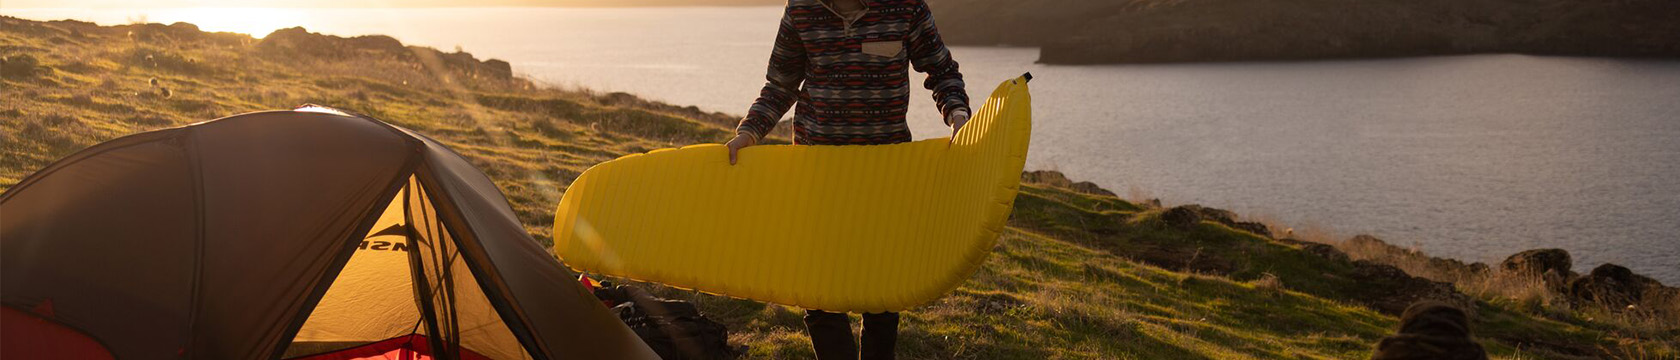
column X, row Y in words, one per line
column 849, row 76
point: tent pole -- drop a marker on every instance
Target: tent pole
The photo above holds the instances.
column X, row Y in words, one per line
column 417, row 267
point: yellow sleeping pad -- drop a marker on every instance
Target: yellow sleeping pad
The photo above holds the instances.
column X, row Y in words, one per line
column 838, row 228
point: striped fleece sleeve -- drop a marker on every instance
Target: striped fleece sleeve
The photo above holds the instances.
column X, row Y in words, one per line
column 929, row 56
column 785, row 74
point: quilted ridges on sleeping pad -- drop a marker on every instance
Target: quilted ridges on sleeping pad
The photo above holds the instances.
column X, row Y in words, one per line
column 838, row 228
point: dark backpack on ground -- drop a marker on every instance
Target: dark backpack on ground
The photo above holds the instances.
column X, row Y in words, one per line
column 675, row 329
column 1431, row 330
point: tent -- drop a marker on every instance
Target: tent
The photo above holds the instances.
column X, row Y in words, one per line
column 284, row 234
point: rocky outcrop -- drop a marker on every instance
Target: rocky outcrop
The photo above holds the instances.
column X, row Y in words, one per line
column 1391, row 290
column 1551, row 265
column 1385, row 287
column 1363, row 270
column 296, row 43
column 1182, row 217
column 1325, row 251
column 1187, row 216
column 1253, row 227
column 1056, row 178
column 299, row 41
column 1615, row 286
column 1538, row 261
column 20, row 66
column 499, row 68
column 1375, row 249
column 1222, row 216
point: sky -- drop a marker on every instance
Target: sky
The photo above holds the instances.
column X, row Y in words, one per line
column 19, row 4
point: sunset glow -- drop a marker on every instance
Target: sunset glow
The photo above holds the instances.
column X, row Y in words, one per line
column 254, row 21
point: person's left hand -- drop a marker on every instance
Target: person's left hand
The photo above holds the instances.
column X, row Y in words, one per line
column 957, row 119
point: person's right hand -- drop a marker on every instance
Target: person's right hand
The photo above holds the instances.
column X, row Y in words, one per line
column 735, row 145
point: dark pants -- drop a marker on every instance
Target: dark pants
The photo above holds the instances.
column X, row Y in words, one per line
column 831, row 335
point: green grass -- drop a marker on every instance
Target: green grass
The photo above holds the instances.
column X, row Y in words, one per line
column 1038, row 297
column 1075, row 276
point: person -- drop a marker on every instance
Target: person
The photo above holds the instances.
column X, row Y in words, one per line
column 843, row 63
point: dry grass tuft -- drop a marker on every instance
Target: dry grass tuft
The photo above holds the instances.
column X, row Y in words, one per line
column 1268, row 283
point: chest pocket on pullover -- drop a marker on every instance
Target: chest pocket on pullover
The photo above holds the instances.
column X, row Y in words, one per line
column 883, row 48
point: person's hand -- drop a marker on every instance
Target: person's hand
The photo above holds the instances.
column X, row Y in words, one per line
column 735, row 145
column 957, row 119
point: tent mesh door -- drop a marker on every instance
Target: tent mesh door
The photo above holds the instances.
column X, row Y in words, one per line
column 465, row 319
column 406, row 267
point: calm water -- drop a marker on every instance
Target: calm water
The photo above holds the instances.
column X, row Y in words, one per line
column 1473, row 157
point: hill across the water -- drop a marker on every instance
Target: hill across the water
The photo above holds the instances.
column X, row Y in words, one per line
column 1147, row 31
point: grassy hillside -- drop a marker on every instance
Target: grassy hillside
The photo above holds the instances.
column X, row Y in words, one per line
column 1078, row 274
column 69, row 85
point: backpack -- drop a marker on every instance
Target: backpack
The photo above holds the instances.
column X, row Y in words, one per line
column 675, row 329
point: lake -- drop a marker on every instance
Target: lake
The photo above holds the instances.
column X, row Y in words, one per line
column 1471, row 157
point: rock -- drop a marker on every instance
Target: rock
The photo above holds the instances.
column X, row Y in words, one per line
column 1613, row 286
column 1456, row 268
column 183, row 27
column 1254, row 227
column 1185, row 216
column 20, row 65
column 1182, row 217
column 376, row 43
column 1390, row 290
column 1221, row 216
column 1551, row 265
column 1367, row 241
column 1538, row 261
column 1325, row 251
column 299, row 43
column 1478, row 268
column 1057, row 179
column 1047, row 177
column 500, row 68
column 618, row 98
column 1376, row 249
column 1091, row 188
